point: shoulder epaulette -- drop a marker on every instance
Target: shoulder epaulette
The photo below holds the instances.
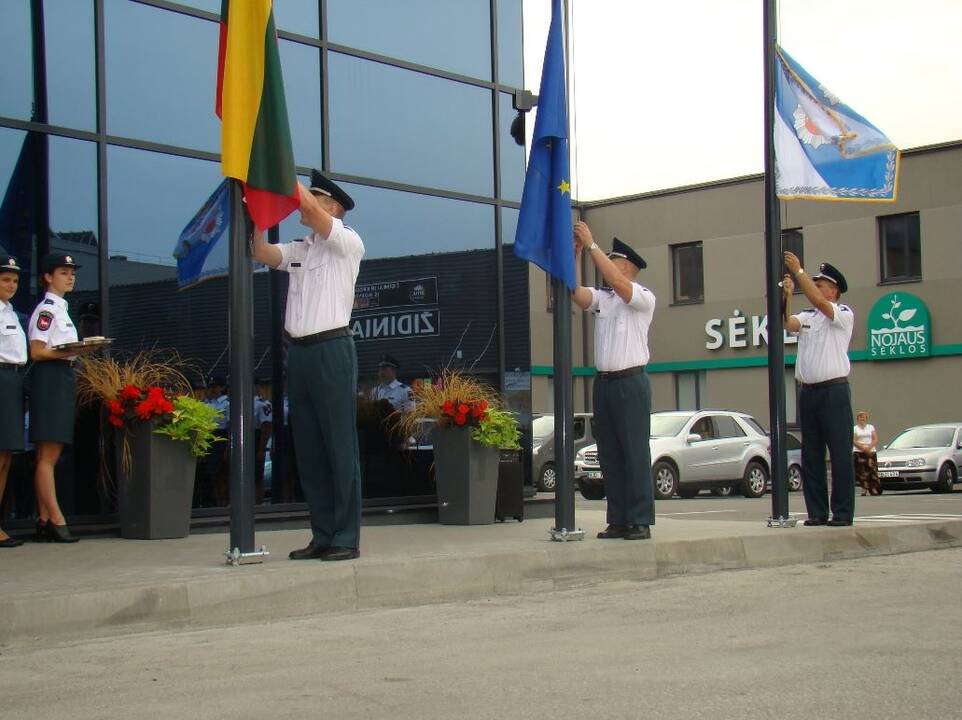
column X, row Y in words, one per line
column 48, row 301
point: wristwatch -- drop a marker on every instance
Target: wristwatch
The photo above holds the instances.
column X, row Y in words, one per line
column 801, row 271
column 594, row 246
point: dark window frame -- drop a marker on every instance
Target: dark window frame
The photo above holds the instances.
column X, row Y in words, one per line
column 793, row 240
column 676, row 270
column 911, row 230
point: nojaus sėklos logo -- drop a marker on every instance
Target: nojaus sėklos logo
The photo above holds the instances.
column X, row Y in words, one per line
column 898, row 328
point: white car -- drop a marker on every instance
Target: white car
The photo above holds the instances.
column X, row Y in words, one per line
column 692, row 451
column 923, row 456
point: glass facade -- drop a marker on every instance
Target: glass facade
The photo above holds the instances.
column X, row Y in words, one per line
column 408, row 105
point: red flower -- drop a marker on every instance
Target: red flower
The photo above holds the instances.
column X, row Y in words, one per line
column 115, row 420
column 460, row 419
column 115, row 407
column 144, row 410
column 463, row 409
column 130, row 392
column 167, row 406
column 448, row 407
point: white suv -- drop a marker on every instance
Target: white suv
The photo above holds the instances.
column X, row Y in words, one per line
column 692, row 451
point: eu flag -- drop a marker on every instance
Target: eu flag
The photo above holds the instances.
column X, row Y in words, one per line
column 198, row 254
column 544, row 234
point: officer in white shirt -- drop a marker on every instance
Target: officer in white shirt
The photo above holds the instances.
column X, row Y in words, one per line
column 390, row 388
column 622, row 391
column 13, row 356
column 263, row 424
column 825, row 401
column 322, row 365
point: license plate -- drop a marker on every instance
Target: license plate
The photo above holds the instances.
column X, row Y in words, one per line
column 594, row 475
column 888, row 473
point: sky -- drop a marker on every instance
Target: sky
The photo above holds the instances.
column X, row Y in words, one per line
column 667, row 94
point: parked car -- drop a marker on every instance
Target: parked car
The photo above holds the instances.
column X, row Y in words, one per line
column 542, row 447
column 922, row 456
column 692, row 451
column 794, row 447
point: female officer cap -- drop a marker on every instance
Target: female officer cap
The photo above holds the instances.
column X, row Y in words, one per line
column 55, row 260
column 8, row 263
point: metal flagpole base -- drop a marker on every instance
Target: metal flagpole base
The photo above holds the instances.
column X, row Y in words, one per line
column 235, row 557
column 564, row 535
column 782, row 522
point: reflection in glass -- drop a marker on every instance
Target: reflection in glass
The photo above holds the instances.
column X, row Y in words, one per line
column 16, row 65
column 409, row 127
column 69, row 29
column 510, row 58
column 453, row 36
column 73, row 208
column 18, row 219
column 301, row 65
column 161, row 76
column 512, row 154
column 394, row 224
column 297, row 16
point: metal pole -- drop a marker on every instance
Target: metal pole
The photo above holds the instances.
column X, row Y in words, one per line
column 279, row 456
column 564, row 497
column 773, row 276
column 38, row 141
column 241, row 337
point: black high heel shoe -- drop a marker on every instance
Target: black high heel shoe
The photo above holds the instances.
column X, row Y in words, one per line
column 40, row 535
column 59, row 533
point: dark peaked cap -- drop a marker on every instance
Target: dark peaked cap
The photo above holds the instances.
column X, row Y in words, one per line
column 322, row 184
column 620, row 249
column 389, row 361
column 8, row 263
column 831, row 273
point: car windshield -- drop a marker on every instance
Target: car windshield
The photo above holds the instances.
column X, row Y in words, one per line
column 923, row 437
column 542, row 427
column 667, row 425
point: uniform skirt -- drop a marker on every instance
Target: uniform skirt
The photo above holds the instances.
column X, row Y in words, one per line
column 53, row 391
column 11, row 410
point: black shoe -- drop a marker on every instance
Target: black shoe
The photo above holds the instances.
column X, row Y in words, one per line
column 59, row 533
column 839, row 523
column 638, row 532
column 612, row 532
column 40, row 532
column 340, row 553
column 815, row 521
column 10, row 542
column 311, row 552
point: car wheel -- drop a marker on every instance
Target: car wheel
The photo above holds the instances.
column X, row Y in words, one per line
column 754, row 480
column 946, row 479
column 665, row 479
column 687, row 492
column 592, row 492
column 794, row 478
column 547, row 479
column 724, row 491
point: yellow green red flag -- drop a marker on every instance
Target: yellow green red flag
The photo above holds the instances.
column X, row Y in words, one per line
column 255, row 134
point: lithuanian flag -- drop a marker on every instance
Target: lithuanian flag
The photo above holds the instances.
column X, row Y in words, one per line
column 255, row 135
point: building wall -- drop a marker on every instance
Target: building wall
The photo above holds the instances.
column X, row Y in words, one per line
column 728, row 219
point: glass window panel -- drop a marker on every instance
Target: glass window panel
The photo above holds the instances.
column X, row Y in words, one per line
column 454, row 36
column 17, row 218
column 901, row 244
column 395, row 224
column 510, row 57
column 73, row 210
column 301, row 65
column 409, row 127
column 16, row 65
column 794, row 242
column 517, row 330
column 208, row 5
column 686, row 390
column 161, row 76
column 71, row 81
column 297, row 16
column 688, row 274
column 725, row 427
column 512, row 154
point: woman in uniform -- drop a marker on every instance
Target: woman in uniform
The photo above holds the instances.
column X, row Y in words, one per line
column 52, row 391
column 13, row 356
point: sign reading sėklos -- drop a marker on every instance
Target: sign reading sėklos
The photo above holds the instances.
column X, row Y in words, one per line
column 899, row 328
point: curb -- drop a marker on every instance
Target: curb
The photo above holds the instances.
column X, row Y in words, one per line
column 281, row 592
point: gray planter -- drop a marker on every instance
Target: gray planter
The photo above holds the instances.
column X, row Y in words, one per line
column 466, row 473
column 154, row 498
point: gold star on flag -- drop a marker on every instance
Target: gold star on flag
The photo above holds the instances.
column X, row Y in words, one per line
column 564, row 187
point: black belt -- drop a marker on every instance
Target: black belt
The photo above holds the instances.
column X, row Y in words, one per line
column 321, row 336
column 825, row 383
column 10, row 366
column 617, row 374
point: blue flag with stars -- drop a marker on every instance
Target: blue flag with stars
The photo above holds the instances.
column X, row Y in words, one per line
column 544, row 234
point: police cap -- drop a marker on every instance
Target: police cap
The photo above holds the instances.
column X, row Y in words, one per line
column 622, row 250
column 389, row 361
column 55, row 260
column 827, row 271
column 8, row 263
column 320, row 183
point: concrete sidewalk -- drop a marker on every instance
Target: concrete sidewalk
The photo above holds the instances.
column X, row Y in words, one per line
column 110, row 586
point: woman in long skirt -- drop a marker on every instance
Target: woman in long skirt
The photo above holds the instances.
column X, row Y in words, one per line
column 864, row 440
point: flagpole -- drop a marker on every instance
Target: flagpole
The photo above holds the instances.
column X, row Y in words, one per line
column 564, row 496
column 773, row 276
column 241, row 337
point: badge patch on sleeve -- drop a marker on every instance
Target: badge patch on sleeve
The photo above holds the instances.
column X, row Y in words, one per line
column 44, row 320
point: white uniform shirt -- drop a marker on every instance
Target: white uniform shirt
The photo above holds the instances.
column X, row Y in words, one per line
column 823, row 344
column 13, row 341
column 222, row 405
column 396, row 393
column 320, row 294
column 621, row 329
column 262, row 411
column 51, row 323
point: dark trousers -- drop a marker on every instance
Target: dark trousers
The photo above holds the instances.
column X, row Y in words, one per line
column 622, row 423
column 826, row 421
column 322, row 381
